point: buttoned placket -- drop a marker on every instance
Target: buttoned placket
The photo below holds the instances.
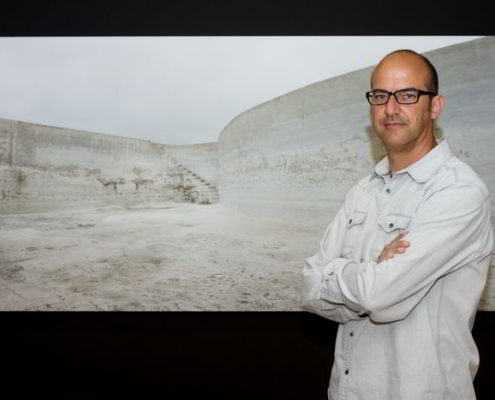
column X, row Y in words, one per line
column 384, row 194
column 391, row 182
column 385, row 199
column 348, row 345
column 388, row 182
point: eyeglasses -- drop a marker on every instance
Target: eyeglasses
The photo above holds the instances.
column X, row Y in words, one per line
column 404, row 96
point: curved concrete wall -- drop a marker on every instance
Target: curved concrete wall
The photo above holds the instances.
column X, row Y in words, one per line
column 47, row 168
column 296, row 156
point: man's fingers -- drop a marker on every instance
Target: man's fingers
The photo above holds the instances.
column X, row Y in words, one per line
column 393, row 251
column 396, row 246
column 399, row 236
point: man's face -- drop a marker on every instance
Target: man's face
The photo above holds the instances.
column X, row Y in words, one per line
column 402, row 127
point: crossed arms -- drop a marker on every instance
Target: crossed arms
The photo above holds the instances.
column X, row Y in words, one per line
column 449, row 230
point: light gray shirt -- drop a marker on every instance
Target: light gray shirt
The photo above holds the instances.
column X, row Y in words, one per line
column 405, row 323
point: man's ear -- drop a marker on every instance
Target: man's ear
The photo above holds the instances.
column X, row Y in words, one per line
column 437, row 104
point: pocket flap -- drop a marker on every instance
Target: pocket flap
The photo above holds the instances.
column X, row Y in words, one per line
column 356, row 218
column 393, row 222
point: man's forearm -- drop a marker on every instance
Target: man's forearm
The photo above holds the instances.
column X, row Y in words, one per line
column 313, row 279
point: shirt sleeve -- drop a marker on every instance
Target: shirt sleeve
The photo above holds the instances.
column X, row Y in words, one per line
column 323, row 265
column 449, row 230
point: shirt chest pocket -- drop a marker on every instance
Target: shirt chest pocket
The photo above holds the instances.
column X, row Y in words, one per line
column 356, row 221
column 390, row 226
column 354, row 232
column 394, row 223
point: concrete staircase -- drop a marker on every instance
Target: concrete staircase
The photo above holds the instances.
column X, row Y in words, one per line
column 205, row 189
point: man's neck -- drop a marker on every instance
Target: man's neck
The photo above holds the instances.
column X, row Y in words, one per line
column 399, row 159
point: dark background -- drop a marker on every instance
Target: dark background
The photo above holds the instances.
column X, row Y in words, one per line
column 243, row 17
column 219, row 355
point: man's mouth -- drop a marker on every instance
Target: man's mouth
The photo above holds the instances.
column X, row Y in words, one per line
column 393, row 123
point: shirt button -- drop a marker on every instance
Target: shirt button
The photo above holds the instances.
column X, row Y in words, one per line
column 350, row 221
column 346, row 372
column 388, row 190
column 390, row 225
column 351, row 334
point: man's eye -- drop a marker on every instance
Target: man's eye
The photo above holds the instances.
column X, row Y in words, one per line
column 380, row 96
column 409, row 96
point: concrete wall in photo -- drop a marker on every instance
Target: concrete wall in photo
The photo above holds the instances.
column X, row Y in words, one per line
column 46, row 168
column 295, row 157
column 292, row 158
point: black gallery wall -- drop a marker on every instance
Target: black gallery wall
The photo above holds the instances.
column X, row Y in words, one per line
column 182, row 355
column 199, row 355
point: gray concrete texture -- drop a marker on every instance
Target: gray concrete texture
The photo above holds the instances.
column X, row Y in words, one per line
column 286, row 164
column 293, row 158
column 297, row 155
column 45, row 168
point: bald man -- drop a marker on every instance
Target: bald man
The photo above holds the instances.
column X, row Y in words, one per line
column 404, row 262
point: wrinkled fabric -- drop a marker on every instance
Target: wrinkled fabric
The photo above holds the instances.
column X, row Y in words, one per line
column 405, row 323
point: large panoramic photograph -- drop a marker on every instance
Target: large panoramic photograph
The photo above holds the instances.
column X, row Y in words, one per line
column 199, row 173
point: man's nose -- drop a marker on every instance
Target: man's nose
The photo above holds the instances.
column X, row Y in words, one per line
column 392, row 107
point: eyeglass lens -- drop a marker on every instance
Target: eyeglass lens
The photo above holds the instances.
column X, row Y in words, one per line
column 405, row 96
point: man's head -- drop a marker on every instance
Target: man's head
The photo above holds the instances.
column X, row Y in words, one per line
column 432, row 81
column 406, row 127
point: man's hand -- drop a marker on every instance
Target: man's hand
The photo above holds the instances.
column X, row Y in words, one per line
column 396, row 246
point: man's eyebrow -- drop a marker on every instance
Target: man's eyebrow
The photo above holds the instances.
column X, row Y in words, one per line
column 398, row 90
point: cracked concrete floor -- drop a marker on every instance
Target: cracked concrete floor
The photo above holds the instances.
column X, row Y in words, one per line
column 168, row 257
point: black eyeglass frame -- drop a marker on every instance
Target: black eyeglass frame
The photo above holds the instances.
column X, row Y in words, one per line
column 420, row 92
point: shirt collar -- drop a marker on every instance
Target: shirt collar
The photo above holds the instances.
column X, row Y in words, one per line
column 423, row 169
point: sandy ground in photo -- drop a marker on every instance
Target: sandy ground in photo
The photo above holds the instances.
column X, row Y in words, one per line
column 168, row 257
